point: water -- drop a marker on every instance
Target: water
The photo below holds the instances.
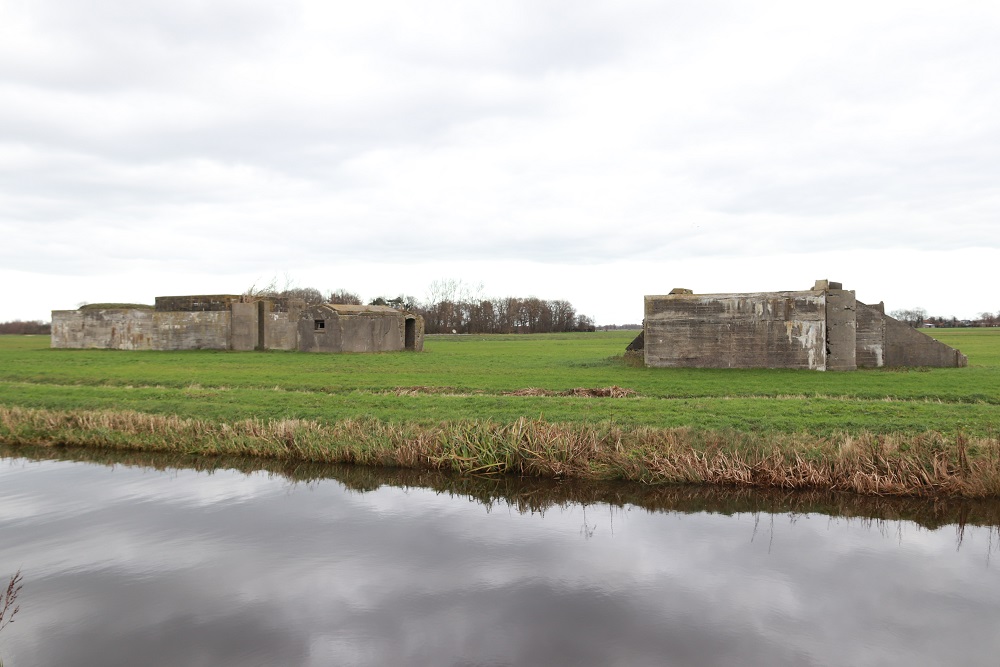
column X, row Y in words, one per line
column 130, row 565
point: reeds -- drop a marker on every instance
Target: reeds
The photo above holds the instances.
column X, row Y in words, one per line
column 8, row 605
column 930, row 464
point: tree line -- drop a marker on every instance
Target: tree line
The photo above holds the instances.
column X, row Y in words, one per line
column 983, row 320
column 453, row 306
column 22, row 328
column 503, row 315
column 918, row 317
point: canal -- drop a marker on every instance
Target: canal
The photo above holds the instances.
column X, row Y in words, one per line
column 151, row 561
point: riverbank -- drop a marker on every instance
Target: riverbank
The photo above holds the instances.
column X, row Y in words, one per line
column 566, row 406
column 927, row 465
column 540, row 495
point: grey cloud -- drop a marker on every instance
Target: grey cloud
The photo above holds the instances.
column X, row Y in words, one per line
column 109, row 45
column 632, row 131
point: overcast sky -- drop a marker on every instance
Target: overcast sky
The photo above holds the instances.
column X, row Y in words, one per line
column 594, row 151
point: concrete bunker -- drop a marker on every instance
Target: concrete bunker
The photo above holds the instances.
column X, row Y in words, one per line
column 346, row 328
column 824, row 328
column 236, row 322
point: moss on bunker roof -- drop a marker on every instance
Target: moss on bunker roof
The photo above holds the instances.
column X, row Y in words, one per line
column 345, row 309
column 116, row 306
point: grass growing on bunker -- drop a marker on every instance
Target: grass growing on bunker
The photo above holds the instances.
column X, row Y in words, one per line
column 482, row 385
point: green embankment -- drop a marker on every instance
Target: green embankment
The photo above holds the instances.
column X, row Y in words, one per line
column 467, row 377
column 463, row 381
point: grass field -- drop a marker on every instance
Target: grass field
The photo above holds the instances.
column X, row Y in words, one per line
column 470, row 377
column 504, row 380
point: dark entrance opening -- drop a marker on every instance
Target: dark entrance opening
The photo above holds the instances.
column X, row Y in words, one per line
column 410, row 339
column 261, row 326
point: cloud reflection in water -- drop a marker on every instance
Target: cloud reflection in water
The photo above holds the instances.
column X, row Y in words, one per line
column 131, row 565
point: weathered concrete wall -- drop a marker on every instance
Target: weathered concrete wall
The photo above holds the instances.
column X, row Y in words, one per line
column 134, row 329
column 905, row 346
column 870, row 343
column 282, row 330
column 260, row 325
column 825, row 328
column 841, row 330
column 324, row 329
column 192, row 330
column 112, row 328
column 754, row 330
column 223, row 322
column 196, row 302
column 245, row 326
column 371, row 333
column 885, row 341
column 316, row 337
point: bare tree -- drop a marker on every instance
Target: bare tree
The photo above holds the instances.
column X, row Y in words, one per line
column 450, row 289
column 310, row 295
column 584, row 323
column 257, row 292
column 563, row 315
column 344, row 297
column 459, row 307
column 401, row 302
column 913, row 316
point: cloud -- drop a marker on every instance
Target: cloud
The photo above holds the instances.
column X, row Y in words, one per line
column 303, row 134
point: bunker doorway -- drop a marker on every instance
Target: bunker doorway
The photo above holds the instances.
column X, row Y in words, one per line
column 261, row 326
column 410, row 333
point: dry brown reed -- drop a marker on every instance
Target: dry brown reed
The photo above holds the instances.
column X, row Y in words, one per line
column 930, row 464
column 614, row 391
column 8, row 604
column 538, row 494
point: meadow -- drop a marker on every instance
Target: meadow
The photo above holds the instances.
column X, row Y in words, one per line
column 478, row 377
column 514, row 387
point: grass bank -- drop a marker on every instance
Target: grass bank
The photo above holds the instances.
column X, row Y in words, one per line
column 927, row 465
column 564, row 405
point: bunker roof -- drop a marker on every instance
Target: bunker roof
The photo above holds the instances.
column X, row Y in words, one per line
column 681, row 292
column 345, row 309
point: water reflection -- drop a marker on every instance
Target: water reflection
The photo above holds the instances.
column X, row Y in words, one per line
column 147, row 560
column 538, row 495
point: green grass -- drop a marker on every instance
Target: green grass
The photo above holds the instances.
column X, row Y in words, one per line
column 464, row 378
column 927, row 432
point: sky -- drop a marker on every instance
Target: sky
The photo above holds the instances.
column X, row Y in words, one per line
column 593, row 151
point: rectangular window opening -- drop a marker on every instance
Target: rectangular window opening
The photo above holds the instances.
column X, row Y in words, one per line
column 320, row 325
